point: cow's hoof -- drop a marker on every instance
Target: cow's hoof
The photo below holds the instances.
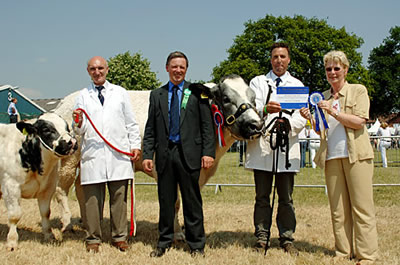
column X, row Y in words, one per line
column 67, row 228
column 179, row 237
column 11, row 246
column 49, row 238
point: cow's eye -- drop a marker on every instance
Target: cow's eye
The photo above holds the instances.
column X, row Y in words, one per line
column 226, row 100
column 46, row 130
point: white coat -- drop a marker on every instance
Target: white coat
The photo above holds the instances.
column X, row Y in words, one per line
column 259, row 155
column 116, row 121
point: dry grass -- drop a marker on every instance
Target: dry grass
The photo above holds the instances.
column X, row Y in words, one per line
column 228, row 224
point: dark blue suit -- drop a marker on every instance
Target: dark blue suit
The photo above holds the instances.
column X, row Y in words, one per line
column 179, row 164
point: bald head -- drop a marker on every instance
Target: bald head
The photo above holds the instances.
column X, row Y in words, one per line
column 97, row 68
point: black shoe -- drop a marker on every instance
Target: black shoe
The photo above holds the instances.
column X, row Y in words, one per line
column 197, row 252
column 158, row 252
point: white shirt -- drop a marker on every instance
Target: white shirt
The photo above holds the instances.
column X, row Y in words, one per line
column 259, row 155
column 10, row 107
column 337, row 139
column 115, row 120
column 384, row 133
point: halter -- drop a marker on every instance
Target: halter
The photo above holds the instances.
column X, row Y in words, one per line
column 55, row 144
column 242, row 108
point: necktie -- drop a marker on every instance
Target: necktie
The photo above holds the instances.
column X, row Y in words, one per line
column 278, row 81
column 101, row 97
column 174, row 113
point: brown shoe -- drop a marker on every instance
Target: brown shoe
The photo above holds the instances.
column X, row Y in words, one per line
column 289, row 248
column 94, row 247
column 121, row 245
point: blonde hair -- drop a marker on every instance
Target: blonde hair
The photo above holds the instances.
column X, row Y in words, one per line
column 337, row 56
column 384, row 125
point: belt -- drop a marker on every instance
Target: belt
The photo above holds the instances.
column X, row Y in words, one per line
column 172, row 144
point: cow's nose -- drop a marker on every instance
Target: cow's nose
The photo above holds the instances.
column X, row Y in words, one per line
column 72, row 144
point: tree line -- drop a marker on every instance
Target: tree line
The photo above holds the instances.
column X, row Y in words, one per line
column 309, row 39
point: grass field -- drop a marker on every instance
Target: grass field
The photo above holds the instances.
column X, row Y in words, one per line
column 228, row 223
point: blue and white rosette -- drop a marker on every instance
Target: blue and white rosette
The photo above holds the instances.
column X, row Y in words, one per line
column 313, row 99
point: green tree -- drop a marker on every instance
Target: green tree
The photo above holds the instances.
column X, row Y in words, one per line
column 308, row 39
column 384, row 67
column 132, row 72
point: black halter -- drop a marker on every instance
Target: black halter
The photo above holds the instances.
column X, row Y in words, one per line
column 242, row 108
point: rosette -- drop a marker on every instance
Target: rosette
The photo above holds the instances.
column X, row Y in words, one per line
column 313, row 99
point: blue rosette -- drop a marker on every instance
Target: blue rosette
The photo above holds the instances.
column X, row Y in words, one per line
column 313, row 99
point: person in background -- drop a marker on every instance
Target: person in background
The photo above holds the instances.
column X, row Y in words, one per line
column 314, row 145
column 384, row 141
column 180, row 133
column 259, row 156
column 109, row 107
column 303, row 135
column 347, row 156
column 12, row 111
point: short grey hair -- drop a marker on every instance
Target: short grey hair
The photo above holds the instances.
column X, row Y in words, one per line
column 337, row 56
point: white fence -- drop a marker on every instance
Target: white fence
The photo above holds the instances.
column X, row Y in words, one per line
column 239, row 149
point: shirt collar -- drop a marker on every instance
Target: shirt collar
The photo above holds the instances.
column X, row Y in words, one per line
column 342, row 91
column 282, row 77
column 105, row 85
column 171, row 85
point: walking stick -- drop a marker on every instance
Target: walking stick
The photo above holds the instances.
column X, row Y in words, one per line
column 281, row 130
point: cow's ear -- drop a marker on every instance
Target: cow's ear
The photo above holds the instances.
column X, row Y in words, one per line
column 201, row 90
column 26, row 128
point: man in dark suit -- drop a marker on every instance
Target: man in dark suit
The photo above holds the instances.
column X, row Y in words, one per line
column 179, row 131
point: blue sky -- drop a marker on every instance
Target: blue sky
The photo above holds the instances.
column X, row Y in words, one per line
column 45, row 44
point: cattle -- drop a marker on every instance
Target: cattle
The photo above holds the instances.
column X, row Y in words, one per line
column 29, row 164
column 232, row 96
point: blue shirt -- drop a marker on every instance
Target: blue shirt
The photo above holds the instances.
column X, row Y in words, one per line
column 177, row 139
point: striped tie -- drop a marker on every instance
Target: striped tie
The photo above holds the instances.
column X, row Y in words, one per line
column 101, row 97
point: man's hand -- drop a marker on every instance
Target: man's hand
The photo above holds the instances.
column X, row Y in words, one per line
column 77, row 115
column 273, row 107
column 147, row 165
column 207, row 162
column 136, row 155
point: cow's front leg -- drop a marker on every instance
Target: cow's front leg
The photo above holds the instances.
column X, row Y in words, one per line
column 61, row 196
column 44, row 208
column 12, row 194
column 81, row 199
column 179, row 235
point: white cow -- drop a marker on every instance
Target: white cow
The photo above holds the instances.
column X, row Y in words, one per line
column 29, row 164
column 232, row 96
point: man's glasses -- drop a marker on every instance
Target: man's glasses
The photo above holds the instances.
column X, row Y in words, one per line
column 336, row 69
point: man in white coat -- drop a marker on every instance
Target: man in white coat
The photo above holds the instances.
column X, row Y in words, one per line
column 259, row 155
column 109, row 107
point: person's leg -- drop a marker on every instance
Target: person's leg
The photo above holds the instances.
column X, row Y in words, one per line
column 94, row 201
column 167, row 195
column 13, row 118
column 285, row 218
column 118, row 210
column 262, row 207
column 359, row 178
column 339, row 202
column 382, row 149
column 192, row 205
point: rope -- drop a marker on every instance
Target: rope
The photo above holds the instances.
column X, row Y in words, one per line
column 132, row 230
column 101, row 136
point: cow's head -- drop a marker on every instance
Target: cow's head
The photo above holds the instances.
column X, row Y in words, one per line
column 49, row 131
column 236, row 101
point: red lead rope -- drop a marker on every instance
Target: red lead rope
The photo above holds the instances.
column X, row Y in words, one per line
column 132, row 227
